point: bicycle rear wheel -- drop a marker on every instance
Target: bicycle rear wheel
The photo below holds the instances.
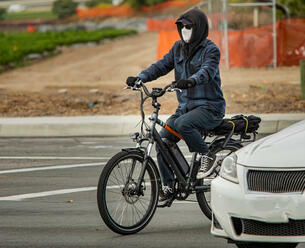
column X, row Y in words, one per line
column 204, row 198
column 124, row 210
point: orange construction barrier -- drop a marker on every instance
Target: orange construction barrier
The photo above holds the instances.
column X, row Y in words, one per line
column 291, row 41
column 125, row 10
column 118, row 11
column 167, row 39
column 253, row 47
column 157, row 25
column 164, row 5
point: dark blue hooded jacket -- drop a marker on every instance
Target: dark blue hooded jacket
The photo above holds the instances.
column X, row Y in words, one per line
column 197, row 60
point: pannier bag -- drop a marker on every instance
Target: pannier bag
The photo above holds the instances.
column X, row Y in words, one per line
column 240, row 124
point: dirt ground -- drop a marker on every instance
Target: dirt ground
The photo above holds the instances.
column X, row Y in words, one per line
column 90, row 81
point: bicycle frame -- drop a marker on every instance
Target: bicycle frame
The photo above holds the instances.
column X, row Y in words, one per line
column 153, row 136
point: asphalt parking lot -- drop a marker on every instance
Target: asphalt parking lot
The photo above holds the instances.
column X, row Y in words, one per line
column 48, row 199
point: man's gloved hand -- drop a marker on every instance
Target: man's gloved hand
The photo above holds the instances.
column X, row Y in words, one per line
column 131, row 81
column 185, row 83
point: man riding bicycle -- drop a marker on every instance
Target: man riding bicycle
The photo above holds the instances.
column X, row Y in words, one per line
column 201, row 102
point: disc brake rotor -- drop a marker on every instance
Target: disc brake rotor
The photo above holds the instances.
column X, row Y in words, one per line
column 130, row 194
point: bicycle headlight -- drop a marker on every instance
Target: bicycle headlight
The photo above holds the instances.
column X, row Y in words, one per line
column 228, row 168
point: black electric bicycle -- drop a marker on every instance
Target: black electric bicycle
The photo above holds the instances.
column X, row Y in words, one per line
column 129, row 185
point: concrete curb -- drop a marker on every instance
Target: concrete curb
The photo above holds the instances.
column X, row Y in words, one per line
column 110, row 125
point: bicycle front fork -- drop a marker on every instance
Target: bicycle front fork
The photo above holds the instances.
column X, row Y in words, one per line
column 143, row 169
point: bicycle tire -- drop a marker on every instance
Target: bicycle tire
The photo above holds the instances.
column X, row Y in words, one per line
column 114, row 192
column 203, row 198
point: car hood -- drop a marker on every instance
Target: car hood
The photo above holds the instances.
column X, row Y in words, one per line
column 283, row 149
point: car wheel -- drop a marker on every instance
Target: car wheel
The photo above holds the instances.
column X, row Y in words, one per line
column 266, row 245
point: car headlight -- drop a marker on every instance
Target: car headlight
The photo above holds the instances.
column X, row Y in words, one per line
column 228, row 168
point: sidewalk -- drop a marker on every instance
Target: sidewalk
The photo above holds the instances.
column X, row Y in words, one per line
column 110, row 125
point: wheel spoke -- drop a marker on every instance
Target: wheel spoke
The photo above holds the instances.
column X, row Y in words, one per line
column 143, row 203
column 121, row 174
column 133, row 215
column 117, row 208
column 122, row 215
column 116, row 178
column 114, row 192
column 137, row 209
column 114, row 183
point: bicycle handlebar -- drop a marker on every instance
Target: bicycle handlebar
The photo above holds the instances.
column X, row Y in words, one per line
column 156, row 92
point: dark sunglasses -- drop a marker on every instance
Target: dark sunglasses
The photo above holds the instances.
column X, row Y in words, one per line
column 187, row 26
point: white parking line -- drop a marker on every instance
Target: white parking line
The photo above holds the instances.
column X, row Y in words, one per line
column 65, row 191
column 60, row 158
column 54, row 158
column 45, row 193
column 57, row 167
column 52, row 192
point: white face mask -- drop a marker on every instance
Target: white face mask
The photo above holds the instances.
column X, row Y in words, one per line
column 186, row 34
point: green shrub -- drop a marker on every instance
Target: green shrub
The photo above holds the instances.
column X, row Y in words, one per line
column 64, row 8
column 2, row 13
column 153, row 2
column 297, row 7
column 94, row 3
column 137, row 4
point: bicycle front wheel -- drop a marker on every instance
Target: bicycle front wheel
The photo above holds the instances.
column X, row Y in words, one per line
column 123, row 209
column 204, row 198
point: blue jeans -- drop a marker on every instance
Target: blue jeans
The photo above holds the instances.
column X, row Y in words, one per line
column 189, row 126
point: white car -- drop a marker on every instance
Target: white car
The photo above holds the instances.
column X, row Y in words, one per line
column 259, row 198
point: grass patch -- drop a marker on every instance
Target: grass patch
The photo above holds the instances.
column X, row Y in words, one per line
column 28, row 15
column 14, row 47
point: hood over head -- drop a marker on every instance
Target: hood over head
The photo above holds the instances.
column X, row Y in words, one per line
column 200, row 25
